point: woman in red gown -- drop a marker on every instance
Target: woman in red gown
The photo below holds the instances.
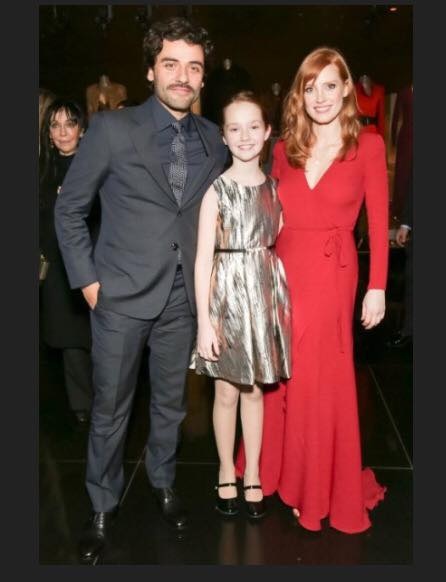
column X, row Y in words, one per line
column 311, row 452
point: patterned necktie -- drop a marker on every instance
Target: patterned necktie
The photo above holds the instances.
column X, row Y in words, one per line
column 178, row 168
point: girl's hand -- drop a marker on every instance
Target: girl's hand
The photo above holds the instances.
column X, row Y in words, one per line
column 373, row 308
column 207, row 342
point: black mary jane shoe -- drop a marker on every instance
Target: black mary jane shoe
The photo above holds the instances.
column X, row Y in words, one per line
column 255, row 509
column 228, row 507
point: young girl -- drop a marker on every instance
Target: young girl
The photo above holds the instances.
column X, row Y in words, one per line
column 242, row 298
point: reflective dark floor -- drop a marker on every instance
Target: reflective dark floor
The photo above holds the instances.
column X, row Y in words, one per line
column 140, row 536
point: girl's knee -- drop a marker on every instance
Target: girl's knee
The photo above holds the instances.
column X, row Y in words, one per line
column 253, row 395
column 226, row 395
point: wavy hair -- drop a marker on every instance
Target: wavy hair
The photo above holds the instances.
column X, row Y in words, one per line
column 174, row 28
column 297, row 131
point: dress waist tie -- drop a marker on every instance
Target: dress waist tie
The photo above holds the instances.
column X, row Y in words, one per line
column 334, row 247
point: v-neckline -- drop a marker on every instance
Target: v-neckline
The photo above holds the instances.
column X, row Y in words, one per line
column 321, row 177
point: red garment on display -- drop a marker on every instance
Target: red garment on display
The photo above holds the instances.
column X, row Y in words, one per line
column 404, row 144
column 372, row 105
column 311, row 451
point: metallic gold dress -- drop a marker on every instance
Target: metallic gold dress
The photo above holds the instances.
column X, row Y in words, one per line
column 249, row 301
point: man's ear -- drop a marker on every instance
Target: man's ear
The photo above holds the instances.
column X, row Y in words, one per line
column 150, row 75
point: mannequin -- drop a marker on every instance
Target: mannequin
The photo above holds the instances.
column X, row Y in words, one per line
column 223, row 82
column 371, row 104
column 401, row 134
column 104, row 94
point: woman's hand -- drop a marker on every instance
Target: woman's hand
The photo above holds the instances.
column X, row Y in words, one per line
column 373, row 308
column 207, row 342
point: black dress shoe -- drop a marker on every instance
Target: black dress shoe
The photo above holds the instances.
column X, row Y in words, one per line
column 399, row 341
column 171, row 506
column 94, row 536
column 255, row 509
column 228, row 507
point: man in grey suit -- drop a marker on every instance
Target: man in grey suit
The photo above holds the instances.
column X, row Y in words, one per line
column 150, row 166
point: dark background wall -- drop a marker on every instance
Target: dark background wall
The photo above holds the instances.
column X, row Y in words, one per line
column 268, row 41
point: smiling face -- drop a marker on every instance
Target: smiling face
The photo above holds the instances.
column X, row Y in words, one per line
column 177, row 75
column 324, row 95
column 64, row 132
column 244, row 130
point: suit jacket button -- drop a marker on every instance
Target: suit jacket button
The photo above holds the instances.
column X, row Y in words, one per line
column 174, row 246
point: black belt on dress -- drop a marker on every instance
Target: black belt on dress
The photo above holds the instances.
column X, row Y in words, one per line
column 366, row 120
column 243, row 250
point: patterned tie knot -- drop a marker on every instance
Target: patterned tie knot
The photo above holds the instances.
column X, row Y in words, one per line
column 177, row 126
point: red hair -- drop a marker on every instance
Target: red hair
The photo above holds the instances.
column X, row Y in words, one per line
column 297, row 131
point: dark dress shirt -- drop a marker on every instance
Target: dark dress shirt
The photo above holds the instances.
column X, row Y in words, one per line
column 195, row 152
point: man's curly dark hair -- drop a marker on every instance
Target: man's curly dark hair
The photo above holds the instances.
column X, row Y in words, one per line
column 174, row 28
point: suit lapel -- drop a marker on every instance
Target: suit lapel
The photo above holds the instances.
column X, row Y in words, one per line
column 211, row 159
column 144, row 137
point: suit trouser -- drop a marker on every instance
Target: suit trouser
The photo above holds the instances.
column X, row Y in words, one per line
column 118, row 344
column 78, row 378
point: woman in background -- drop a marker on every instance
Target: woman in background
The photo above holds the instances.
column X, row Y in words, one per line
column 65, row 315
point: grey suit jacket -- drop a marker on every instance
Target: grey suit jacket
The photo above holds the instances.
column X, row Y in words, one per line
column 135, row 256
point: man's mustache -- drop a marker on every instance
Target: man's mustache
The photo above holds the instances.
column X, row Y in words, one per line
column 180, row 86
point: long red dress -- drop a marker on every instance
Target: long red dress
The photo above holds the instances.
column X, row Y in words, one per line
column 311, row 444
